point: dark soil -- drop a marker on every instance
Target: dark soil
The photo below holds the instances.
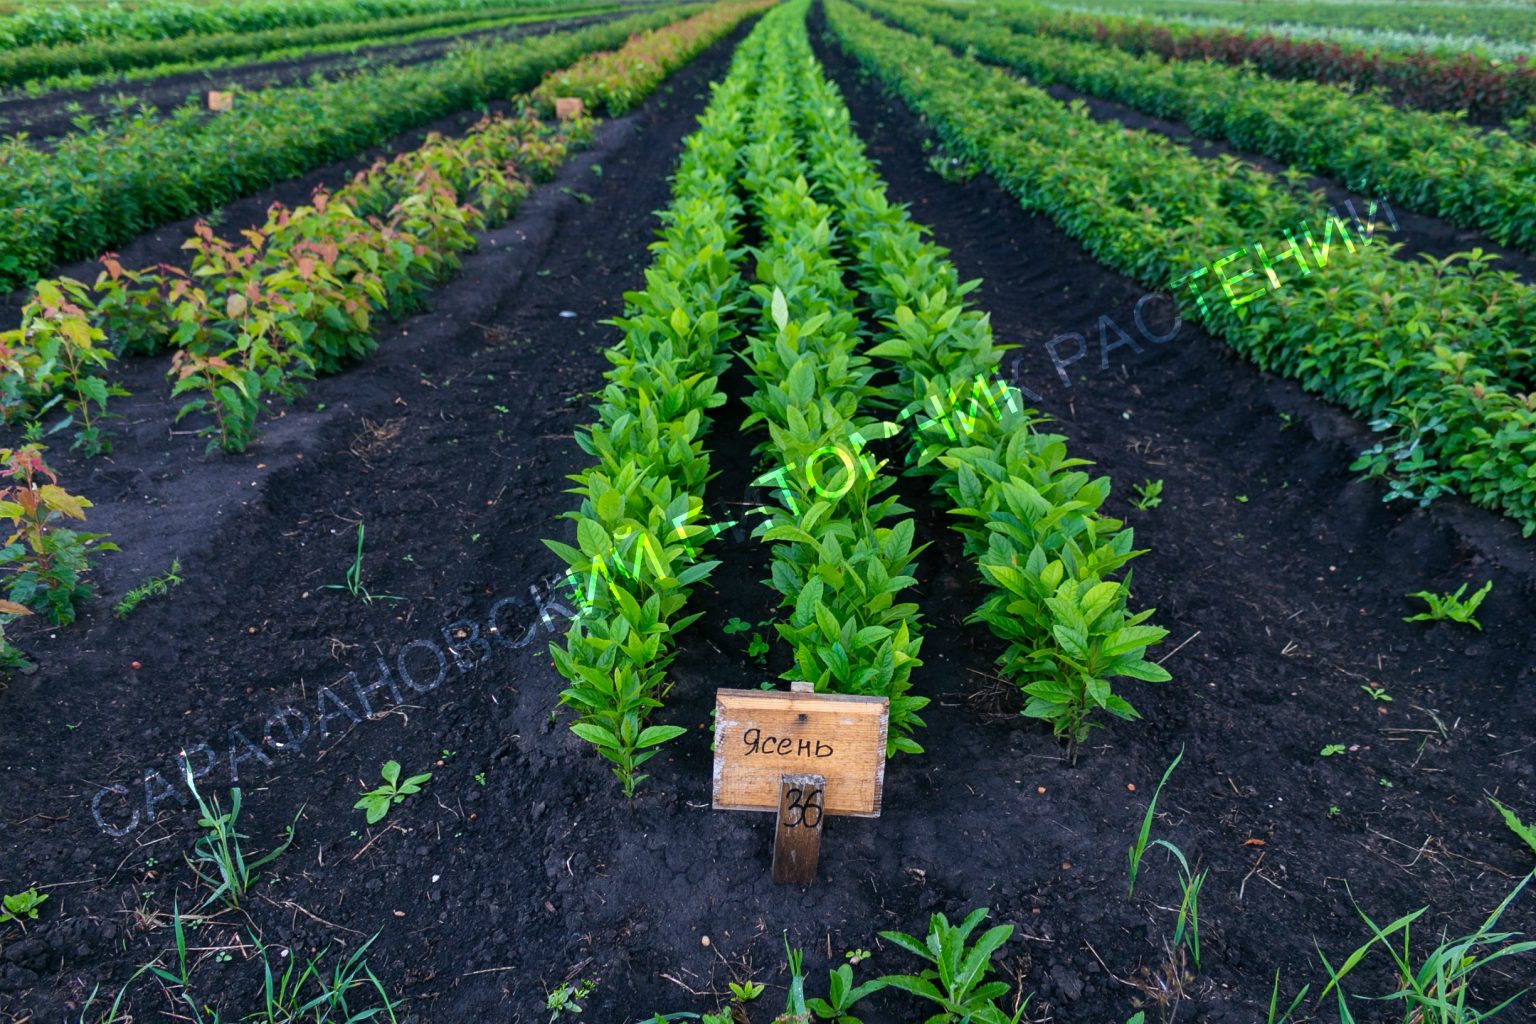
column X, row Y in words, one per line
column 520, row 865
column 43, row 117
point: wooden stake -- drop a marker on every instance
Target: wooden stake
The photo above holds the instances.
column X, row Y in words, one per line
column 797, row 840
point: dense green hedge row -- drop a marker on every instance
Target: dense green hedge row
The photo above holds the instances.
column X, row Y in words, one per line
column 101, row 187
column 1032, row 520
column 637, row 531
column 104, row 57
column 61, row 24
column 841, row 556
column 1439, row 350
column 1485, row 87
column 1433, row 163
column 1504, row 21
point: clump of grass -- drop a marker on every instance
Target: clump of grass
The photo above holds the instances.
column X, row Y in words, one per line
column 1438, row 990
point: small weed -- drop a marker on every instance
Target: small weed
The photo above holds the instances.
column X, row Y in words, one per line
column 377, row 802
column 746, row 991
column 1134, row 854
column 1438, row 990
column 566, row 999
column 20, row 905
column 1377, row 692
column 1518, row 827
column 1148, row 495
column 1331, row 750
column 736, row 625
column 480, row 778
column 757, row 648
column 1186, row 930
column 1451, row 606
column 354, row 584
column 153, row 587
column 217, row 857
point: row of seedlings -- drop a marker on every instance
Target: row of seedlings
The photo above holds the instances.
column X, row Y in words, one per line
column 98, row 187
column 1435, row 163
column 638, row 529
column 1031, row 518
column 1436, row 352
column 840, row 556
column 302, row 295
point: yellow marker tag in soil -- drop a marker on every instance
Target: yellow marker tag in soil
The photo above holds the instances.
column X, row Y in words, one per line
column 220, row 100
column 763, row 735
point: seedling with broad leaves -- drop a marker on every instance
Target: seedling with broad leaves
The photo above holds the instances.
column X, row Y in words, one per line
column 377, row 801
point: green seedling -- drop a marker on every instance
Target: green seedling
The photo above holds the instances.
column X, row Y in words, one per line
column 480, row 778
column 1527, row 833
column 20, row 905
column 1134, row 854
column 1377, row 693
column 1331, row 750
column 354, row 584
column 218, row 858
column 1451, row 606
column 736, row 625
column 566, row 999
column 1148, row 495
column 746, row 991
column 1186, row 930
column 957, row 980
column 378, row 801
column 757, row 647
column 154, row 587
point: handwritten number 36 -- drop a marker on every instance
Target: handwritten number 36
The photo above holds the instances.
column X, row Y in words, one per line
column 803, row 801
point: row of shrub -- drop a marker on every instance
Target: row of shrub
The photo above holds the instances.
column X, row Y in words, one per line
column 50, row 24
column 1488, row 89
column 1032, row 520
column 1433, row 163
column 1435, row 351
column 841, row 557
column 102, row 59
column 302, row 293
column 638, row 534
column 97, row 188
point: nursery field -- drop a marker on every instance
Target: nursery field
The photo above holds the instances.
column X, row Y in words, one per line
column 1069, row 467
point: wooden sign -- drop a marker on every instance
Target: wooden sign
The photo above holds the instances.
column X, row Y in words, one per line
column 763, row 734
column 803, row 755
column 220, row 100
column 797, row 842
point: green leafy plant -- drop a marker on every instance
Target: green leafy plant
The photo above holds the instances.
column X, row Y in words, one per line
column 1437, row 989
column 1526, row 833
column 1451, row 606
column 153, row 587
column 48, row 561
column 757, row 648
column 22, row 904
column 735, row 625
column 746, row 991
column 1377, row 692
column 1148, row 495
column 1331, row 750
column 1138, row 848
column 957, row 980
column 379, row 800
column 218, row 857
column 566, row 999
